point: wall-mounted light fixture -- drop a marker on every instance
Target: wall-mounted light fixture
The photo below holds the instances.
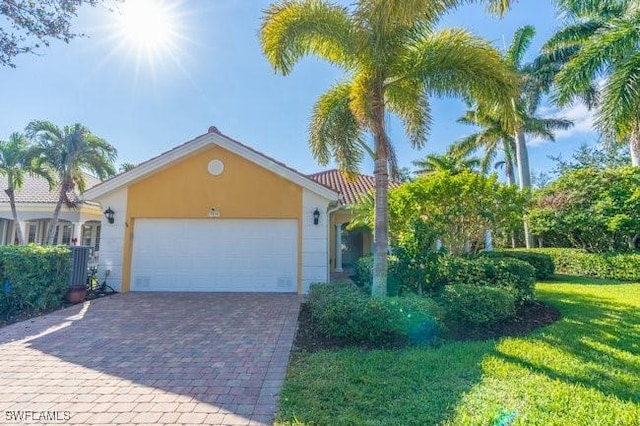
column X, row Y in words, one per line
column 316, row 216
column 109, row 214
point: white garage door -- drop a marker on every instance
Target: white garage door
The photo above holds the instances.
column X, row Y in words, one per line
column 214, row 255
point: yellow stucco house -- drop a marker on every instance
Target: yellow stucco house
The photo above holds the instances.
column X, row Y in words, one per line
column 215, row 215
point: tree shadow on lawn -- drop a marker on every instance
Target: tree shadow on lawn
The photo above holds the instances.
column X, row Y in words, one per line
column 596, row 344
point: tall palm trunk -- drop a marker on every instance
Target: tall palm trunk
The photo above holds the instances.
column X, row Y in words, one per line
column 381, row 175
column 12, row 202
column 522, row 158
column 511, row 177
column 51, row 232
column 634, row 147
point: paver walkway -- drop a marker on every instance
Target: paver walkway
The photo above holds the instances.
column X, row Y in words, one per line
column 156, row 358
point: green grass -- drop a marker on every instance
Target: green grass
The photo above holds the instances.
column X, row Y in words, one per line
column 583, row 370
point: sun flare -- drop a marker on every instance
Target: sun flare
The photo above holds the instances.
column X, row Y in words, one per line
column 146, row 24
column 149, row 30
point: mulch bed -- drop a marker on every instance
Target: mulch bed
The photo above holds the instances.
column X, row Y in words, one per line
column 29, row 314
column 528, row 318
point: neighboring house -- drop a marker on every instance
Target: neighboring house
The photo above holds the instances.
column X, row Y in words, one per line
column 347, row 246
column 35, row 203
column 214, row 215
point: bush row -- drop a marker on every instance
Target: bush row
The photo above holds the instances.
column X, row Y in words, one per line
column 542, row 262
column 343, row 310
column 477, row 306
column 619, row 266
column 513, row 275
column 33, row 278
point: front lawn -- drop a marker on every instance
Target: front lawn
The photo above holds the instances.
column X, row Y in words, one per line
column 582, row 370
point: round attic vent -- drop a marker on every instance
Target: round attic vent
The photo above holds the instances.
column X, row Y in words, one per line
column 215, row 167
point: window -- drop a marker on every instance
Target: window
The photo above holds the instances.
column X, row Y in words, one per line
column 32, row 232
column 97, row 244
column 87, row 235
column 66, row 234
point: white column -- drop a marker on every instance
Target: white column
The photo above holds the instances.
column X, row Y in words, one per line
column 25, row 232
column 77, row 233
column 438, row 245
column 488, row 240
column 338, row 247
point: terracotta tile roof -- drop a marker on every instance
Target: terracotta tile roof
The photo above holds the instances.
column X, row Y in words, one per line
column 350, row 191
column 35, row 190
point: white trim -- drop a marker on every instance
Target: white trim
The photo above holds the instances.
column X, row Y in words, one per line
column 48, row 207
column 195, row 145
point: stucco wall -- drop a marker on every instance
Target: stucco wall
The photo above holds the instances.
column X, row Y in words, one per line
column 314, row 241
column 186, row 189
column 112, row 239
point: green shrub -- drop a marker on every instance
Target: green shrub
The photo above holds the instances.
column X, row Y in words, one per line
column 619, row 266
column 542, row 262
column 478, row 271
column 516, row 276
column 33, row 278
column 477, row 306
column 441, row 270
column 344, row 311
column 363, row 275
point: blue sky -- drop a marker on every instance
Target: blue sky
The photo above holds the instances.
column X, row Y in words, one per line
column 216, row 75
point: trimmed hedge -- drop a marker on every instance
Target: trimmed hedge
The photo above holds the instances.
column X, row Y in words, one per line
column 477, row 306
column 542, row 262
column 33, row 278
column 515, row 276
column 618, row 266
column 342, row 310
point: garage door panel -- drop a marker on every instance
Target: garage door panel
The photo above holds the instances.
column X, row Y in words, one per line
column 214, row 255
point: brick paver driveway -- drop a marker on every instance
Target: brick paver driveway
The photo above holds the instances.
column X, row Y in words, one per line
column 197, row 358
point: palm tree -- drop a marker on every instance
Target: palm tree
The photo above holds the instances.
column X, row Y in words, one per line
column 495, row 135
column 16, row 156
column 600, row 43
column 521, row 120
column 492, row 137
column 394, row 59
column 448, row 162
column 69, row 151
column 125, row 167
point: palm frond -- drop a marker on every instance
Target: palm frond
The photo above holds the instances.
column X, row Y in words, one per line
column 335, row 132
column 454, row 63
column 389, row 15
column 618, row 110
column 292, row 29
column 408, row 99
column 519, row 45
column 597, row 53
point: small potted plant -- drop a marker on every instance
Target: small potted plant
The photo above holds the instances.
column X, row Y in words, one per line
column 77, row 293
